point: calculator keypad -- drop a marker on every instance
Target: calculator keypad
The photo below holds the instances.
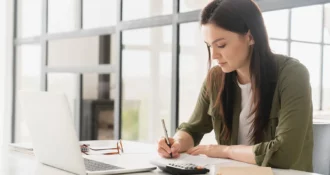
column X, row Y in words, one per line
column 185, row 168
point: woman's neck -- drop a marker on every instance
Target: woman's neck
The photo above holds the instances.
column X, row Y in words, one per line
column 243, row 75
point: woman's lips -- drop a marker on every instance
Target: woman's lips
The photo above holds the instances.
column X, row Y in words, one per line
column 222, row 64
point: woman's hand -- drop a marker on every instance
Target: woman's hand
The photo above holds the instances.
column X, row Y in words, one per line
column 217, row 151
column 164, row 150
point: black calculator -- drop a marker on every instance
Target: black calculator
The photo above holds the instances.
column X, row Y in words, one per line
column 183, row 168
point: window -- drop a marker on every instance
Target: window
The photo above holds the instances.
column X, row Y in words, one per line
column 66, row 83
column 99, row 13
column 327, row 23
column 310, row 56
column 97, row 122
column 146, row 8
column 304, row 42
column 146, row 83
column 279, row 47
column 80, row 52
column 190, row 5
column 62, row 16
column 307, row 23
column 326, row 82
column 277, row 23
column 29, row 18
column 71, row 52
column 97, row 112
column 193, row 70
column 28, row 75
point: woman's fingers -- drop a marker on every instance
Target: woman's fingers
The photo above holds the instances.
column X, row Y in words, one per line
column 164, row 150
column 163, row 153
column 175, row 148
column 175, row 155
column 162, row 144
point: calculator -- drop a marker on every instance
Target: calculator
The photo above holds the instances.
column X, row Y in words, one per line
column 183, row 168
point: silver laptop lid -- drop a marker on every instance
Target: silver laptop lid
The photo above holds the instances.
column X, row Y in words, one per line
column 50, row 123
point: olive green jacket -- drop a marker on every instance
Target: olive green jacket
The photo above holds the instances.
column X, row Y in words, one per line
column 288, row 140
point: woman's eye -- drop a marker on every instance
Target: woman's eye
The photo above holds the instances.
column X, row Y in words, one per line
column 222, row 46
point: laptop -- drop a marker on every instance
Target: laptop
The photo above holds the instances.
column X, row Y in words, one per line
column 54, row 138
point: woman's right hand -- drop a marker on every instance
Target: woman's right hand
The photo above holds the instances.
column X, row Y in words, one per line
column 164, row 150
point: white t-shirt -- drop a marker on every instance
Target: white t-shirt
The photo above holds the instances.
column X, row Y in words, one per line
column 245, row 122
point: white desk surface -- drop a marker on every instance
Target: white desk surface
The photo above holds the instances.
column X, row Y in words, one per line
column 17, row 163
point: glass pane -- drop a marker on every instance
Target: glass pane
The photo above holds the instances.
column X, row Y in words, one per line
column 29, row 18
column 326, row 82
column 277, row 23
column 327, row 23
column 28, row 73
column 190, row 5
column 144, row 38
column 310, row 56
column 306, row 24
column 62, row 15
column 66, row 83
column 279, row 47
column 193, row 70
column 146, row 87
column 167, row 34
column 137, row 37
column 327, row 35
column 99, row 13
column 146, row 8
column 78, row 52
column 98, row 107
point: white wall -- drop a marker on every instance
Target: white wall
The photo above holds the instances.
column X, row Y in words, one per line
column 2, row 61
column 7, row 8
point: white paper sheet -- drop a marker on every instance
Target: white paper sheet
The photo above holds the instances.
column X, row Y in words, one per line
column 201, row 160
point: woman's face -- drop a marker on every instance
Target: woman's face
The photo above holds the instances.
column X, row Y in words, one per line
column 229, row 49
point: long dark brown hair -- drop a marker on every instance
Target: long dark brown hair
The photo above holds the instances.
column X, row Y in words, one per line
column 241, row 16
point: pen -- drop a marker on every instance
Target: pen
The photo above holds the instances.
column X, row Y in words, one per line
column 166, row 136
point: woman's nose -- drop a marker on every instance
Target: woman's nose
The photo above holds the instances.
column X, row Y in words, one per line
column 215, row 54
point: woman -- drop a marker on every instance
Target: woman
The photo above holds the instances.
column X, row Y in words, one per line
column 258, row 103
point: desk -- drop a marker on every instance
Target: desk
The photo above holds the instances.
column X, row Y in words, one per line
column 16, row 163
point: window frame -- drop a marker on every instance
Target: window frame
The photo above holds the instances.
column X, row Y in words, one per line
column 174, row 19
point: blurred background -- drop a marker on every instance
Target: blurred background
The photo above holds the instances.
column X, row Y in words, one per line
column 126, row 64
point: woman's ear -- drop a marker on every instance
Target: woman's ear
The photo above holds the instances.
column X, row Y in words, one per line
column 250, row 38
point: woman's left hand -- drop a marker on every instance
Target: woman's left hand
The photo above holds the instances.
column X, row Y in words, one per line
column 217, row 151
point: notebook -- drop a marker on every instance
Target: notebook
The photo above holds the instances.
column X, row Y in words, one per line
column 244, row 171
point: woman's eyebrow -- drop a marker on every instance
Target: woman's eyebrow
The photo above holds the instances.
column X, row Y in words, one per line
column 215, row 40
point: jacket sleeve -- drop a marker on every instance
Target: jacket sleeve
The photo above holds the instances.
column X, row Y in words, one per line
column 200, row 122
column 295, row 116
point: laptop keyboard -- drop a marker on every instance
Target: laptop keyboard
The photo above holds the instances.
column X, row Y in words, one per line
column 92, row 165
